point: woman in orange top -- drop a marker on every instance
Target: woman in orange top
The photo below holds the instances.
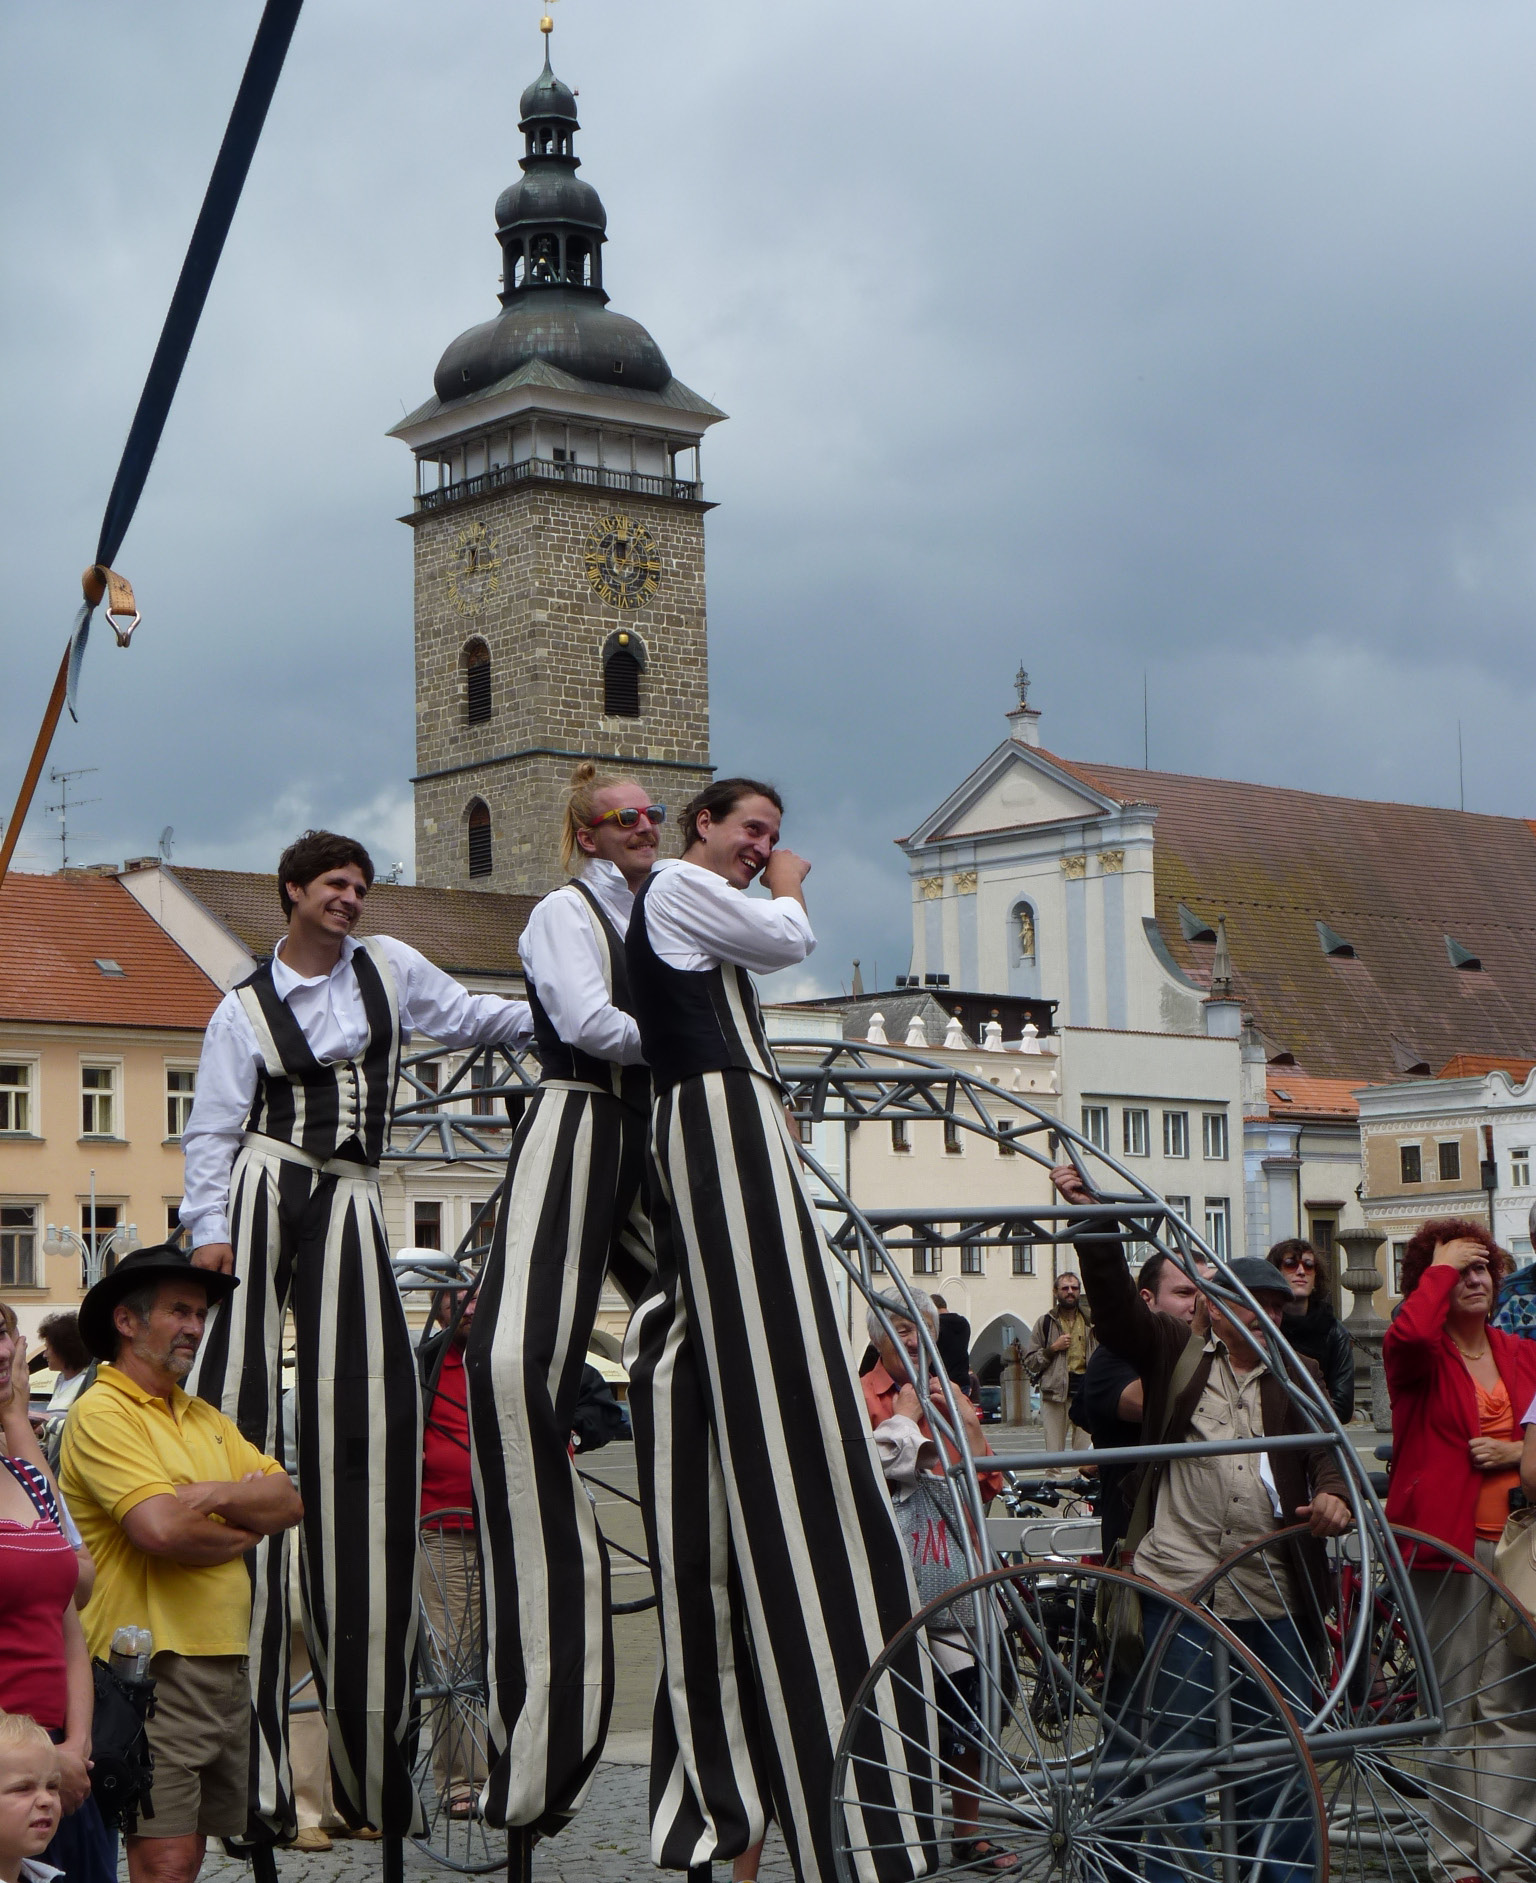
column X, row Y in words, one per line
column 1459, row 1389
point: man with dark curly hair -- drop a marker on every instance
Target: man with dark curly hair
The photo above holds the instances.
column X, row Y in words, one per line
column 295, row 1096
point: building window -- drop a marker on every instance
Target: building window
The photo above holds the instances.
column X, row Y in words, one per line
column 927, row 1259
column 479, row 822
column 1324, row 1235
column 901, row 1136
column 180, row 1089
column 1136, row 1130
column 98, row 1101
column 1096, row 1125
column 16, row 1096
column 95, row 1229
column 621, row 684
column 951, row 1138
column 174, row 1233
column 970, row 1259
column 1411, row 1163
column 802, row 1129
column 429, row 1074
column 476, row 660
column 1214, row 1126
column 426, row 1225
column 1007, row 1147
column 1180, row 1207
column 1021, row 924
column 1023, row 1257
column 1450, row 1161
column 1399, row 1250
column 1520, row 1168
column 1218, row 1225
column 18, row 1245
column 488, row 1107
column 1175, row 1134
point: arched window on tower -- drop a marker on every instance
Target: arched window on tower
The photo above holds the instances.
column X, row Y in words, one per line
column 623, row 664
column 477, row 821
column 578, row 263
column 476, row 662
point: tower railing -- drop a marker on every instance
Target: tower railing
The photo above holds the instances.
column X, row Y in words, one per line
column 558, row 471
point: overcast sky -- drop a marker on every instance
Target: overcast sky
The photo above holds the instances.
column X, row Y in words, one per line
column 1109, row 337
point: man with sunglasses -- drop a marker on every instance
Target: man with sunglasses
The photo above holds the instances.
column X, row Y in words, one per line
column 573, row 1220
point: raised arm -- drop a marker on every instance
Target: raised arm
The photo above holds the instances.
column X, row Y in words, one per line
column 1121, row 1319
column 1411, row 1341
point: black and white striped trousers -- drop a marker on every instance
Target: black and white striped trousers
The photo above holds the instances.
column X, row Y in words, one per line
column 313, row 1236
column 573, row 1218
column 779, row 1568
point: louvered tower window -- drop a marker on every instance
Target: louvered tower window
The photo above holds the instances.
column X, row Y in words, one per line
column 479, row 839
column 477, row 682
column 621, row 685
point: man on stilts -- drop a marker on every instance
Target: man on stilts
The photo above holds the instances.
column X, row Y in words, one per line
column 780, row 1572
column 573, row 1217
column 295, row 1095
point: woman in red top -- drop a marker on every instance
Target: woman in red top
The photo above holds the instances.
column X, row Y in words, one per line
column 45, row 1668
column 1459, row 1390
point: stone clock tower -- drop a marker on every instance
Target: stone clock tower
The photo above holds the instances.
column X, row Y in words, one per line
column 559, row 535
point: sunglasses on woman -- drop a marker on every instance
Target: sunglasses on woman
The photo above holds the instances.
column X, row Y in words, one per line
column 1304, row 1262
column 627, row 816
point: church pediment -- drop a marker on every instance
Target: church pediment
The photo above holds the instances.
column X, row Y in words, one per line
column 1016, row 787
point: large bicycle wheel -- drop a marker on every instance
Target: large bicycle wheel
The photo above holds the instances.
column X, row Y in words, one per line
column 1409, row 1795
column 449, row 1699
column 1083, row 1760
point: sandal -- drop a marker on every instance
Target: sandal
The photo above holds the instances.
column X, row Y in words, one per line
column 463, row 1800
column 981, row 1853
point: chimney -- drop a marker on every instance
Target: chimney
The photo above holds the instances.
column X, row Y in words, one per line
column 1024, row 719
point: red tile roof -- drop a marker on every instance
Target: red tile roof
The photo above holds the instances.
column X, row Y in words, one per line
column 53, row 930
column 1479, row 1065
column 463, row 931
column 1297, row 1095
column 1394, row 880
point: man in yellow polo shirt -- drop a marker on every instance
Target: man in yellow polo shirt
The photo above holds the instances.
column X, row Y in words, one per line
column 170, row 1497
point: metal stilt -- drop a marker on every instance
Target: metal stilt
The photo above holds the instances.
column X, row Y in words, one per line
column 520, row 1856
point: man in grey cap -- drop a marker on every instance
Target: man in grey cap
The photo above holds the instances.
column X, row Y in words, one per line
column 1215, row 1385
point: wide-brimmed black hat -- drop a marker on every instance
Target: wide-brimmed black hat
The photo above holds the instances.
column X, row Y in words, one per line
column 164, row 1262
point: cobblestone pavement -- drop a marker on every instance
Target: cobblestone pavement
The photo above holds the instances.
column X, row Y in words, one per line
column 608, row 1840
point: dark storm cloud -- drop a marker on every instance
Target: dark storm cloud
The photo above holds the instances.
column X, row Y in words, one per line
column 1188, row 338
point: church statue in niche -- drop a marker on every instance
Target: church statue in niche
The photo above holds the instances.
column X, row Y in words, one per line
column 1025, row 917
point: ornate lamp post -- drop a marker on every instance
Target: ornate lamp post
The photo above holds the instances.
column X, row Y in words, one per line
column 94, row 1251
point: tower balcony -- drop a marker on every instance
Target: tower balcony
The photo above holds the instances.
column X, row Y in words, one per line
column 559, row 470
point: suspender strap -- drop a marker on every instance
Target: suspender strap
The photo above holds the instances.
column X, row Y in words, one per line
column 1141, row 1512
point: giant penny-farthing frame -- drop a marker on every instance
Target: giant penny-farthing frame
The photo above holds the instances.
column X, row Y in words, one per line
column 1064, row 1746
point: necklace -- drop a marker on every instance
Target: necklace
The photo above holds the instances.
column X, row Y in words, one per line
column 1487, row 1349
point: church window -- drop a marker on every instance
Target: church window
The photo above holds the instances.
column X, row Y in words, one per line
column 1022, row 924
column 479, row 823
column 621, row 684
column 477, row 682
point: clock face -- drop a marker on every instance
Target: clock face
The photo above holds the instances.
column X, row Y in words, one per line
column 623, row 566
column 475, row 574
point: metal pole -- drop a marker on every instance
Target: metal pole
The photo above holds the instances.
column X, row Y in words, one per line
column 93, row 1243
column 520, row 1844
column 392, row 1850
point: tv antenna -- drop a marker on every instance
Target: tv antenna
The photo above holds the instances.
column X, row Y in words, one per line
column 66, row 804
column 166, row 843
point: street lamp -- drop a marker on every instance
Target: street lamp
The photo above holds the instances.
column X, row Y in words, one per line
column 60, row 1239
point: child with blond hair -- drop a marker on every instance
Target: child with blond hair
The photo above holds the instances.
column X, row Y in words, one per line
column 30, row 1805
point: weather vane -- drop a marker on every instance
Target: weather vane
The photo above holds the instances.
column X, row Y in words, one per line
column 546, row 22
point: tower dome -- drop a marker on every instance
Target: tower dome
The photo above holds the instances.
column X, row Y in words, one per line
column 551, row 226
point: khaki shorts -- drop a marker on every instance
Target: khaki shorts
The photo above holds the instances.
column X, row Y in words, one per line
column 201, row 1738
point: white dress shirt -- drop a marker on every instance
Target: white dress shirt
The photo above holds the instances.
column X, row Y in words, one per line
column 696, row 919
column 329, row 1010
column 564, row 960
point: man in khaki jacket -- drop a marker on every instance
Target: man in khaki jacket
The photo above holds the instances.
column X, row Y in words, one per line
column 1061, row 1343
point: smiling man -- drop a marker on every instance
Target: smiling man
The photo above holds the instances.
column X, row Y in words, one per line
column 295, row 1091
column 575, row 1219
column 171, row 1496
column 780, row 1573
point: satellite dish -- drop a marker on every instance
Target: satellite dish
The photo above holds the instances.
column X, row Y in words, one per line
column 167, row 841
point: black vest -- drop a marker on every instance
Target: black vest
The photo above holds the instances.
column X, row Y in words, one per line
column 693, row 1020
column 321, row 1108
column 558, row 1059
